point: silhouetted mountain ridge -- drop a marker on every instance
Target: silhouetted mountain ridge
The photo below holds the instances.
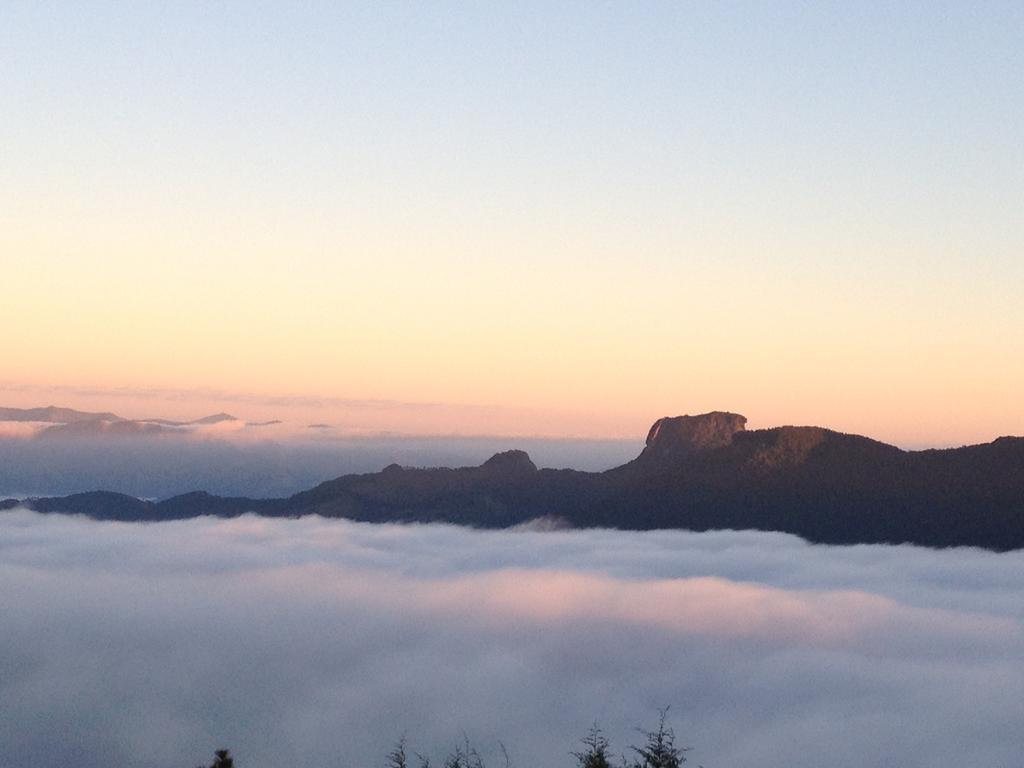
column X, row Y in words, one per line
column 696, row 472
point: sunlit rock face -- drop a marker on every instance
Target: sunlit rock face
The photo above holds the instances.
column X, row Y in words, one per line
column 675, row 437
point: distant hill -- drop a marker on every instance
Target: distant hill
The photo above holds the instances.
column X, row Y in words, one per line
column 53, row 415
column 215, row 418
column 695, row 472
column 67, row 422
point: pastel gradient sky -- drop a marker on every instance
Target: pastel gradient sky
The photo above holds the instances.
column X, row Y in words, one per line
column 587, row 214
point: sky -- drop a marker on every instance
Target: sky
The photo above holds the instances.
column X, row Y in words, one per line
column 561, row 219
column 322, row 642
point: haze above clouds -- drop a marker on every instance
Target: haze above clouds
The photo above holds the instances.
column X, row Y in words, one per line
column 276, row 446
column 321, row 642
column 166, row 465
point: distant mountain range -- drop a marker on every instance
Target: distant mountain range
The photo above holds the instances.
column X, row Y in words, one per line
column 695, row 472
column 54, row 415
column 66, row 422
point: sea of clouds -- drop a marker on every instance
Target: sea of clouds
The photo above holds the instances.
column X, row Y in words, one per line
column 321, row 642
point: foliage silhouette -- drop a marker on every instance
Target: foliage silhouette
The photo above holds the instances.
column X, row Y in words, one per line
column 596, row 753
column 396, row 757
column 660, row 750
column 464, row 756
column 222, row 759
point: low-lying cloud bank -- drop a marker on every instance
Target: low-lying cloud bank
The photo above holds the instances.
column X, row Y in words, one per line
column 315, row 642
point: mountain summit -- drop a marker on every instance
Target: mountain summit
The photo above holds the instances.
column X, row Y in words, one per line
column 675, row 437
column 513, row 462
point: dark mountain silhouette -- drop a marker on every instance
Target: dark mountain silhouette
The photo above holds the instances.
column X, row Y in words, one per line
column 695, row 472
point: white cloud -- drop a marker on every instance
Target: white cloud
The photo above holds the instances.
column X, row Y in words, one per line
column 16, row 429
column 319, row 642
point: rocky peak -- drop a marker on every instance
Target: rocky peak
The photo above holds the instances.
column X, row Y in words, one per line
column 510, row 463
column 677, row 436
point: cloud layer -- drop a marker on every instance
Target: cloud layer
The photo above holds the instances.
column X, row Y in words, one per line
column 320, row 642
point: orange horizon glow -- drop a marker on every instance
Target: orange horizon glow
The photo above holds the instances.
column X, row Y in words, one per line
column 351, row 417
